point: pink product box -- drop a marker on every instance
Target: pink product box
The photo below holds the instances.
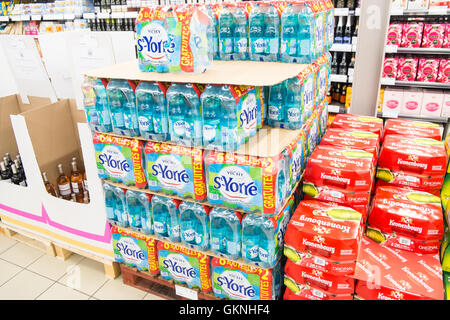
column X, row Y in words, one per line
column 444, row 71
column 394, row 34
column 390, row 67
column 392, row 100
column 446, row 106
column 439, row 3
column 399, row 4
column 428, row 70
column 446, row 43
column 407, row 69
column 412, row 101
column 433, row 35
column 432, row 103
column 417, row 4
column 412, row 35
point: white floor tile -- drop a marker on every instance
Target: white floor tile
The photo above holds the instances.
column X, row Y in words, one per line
column 7, row 271
column 87, row 276
column 116, row 290
column 59, row 292
column 26, row 285
column 21, row 254
column 150, row 296
column 54, row 268
column 6, row 243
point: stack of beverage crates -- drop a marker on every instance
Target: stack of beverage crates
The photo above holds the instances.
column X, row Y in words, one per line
column 410, row 174
column 323, row 237
column 285, row 31
column 176, row 184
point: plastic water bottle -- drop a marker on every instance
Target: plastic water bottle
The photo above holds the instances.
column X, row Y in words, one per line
column 146, row 213
column 226, row 37
column 110, row 202
column 120, row 207
column 166, row 222
column 230, row 135
column 218, row 232
column 289, row 34
column 272, row 34
column 135, row 210
column 102, row 108
column 225, row 233
column 294, row 117
column 123, row 107
column 276, row 104
column 250, row 238
column 152, row 111
column 306, row 35
column 257, row 28
column 266, row 249
column 212, row 116
column 213, row 33
column 185, row 120
column 194, row 225
column 240, row 51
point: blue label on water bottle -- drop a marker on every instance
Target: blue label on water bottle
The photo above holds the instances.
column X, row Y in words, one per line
column 118, row 120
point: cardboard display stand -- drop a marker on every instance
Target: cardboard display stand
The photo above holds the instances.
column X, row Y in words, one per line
column 47, row 135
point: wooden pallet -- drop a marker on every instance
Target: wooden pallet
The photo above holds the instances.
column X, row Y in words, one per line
column 157, row 285
column 28, row 238
column 63, row 252
column 60, row 251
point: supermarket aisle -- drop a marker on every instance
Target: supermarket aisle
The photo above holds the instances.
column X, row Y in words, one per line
column 29, row 274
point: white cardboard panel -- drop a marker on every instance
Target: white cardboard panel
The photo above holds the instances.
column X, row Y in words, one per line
column 84, row 223
column 30, row 75
column 124, row 46
column 55, row 56
column 7, row 82
column 88, row 50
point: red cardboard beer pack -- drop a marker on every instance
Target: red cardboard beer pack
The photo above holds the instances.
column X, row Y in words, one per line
column 318, row 279
column 305, row 292
column 363, row 140
column 362, row 208
column 406, row 219
column 382, row 183
column 414, row 162
column 339, row 175
column 325, row 230
column 360, row 123
column 385, row 273
column 411, row 128
column 320, row 263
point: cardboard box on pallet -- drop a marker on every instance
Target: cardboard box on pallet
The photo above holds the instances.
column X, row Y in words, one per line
column 340, row 175
column 385, row 273
column 411, row 128
column 406, row 219
column 414, row 162
column 361, row 123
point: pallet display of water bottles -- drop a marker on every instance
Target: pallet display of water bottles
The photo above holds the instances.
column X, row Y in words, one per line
column 208, row 172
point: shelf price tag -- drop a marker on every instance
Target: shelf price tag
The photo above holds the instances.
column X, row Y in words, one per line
column 15, row 18
column 89, row 15
column 338, row 78
column 357, row 11
column 341, row 47
column 131, row 14
column 4, row 18
column 397, row 12
column 390, row 114
column 186, row 293
column 341, row 12
column 333, row 108
column 69, row 16
column 388, row 81
column 439, row 10
column 36, row 17
column 24, row 17
column 391, row 48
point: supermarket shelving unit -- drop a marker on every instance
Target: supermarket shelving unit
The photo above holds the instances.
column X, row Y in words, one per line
column 444, row 52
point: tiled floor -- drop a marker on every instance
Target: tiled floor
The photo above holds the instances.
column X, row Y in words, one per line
column 29, row 274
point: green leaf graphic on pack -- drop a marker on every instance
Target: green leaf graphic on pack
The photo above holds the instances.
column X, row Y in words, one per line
column 423, row 197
